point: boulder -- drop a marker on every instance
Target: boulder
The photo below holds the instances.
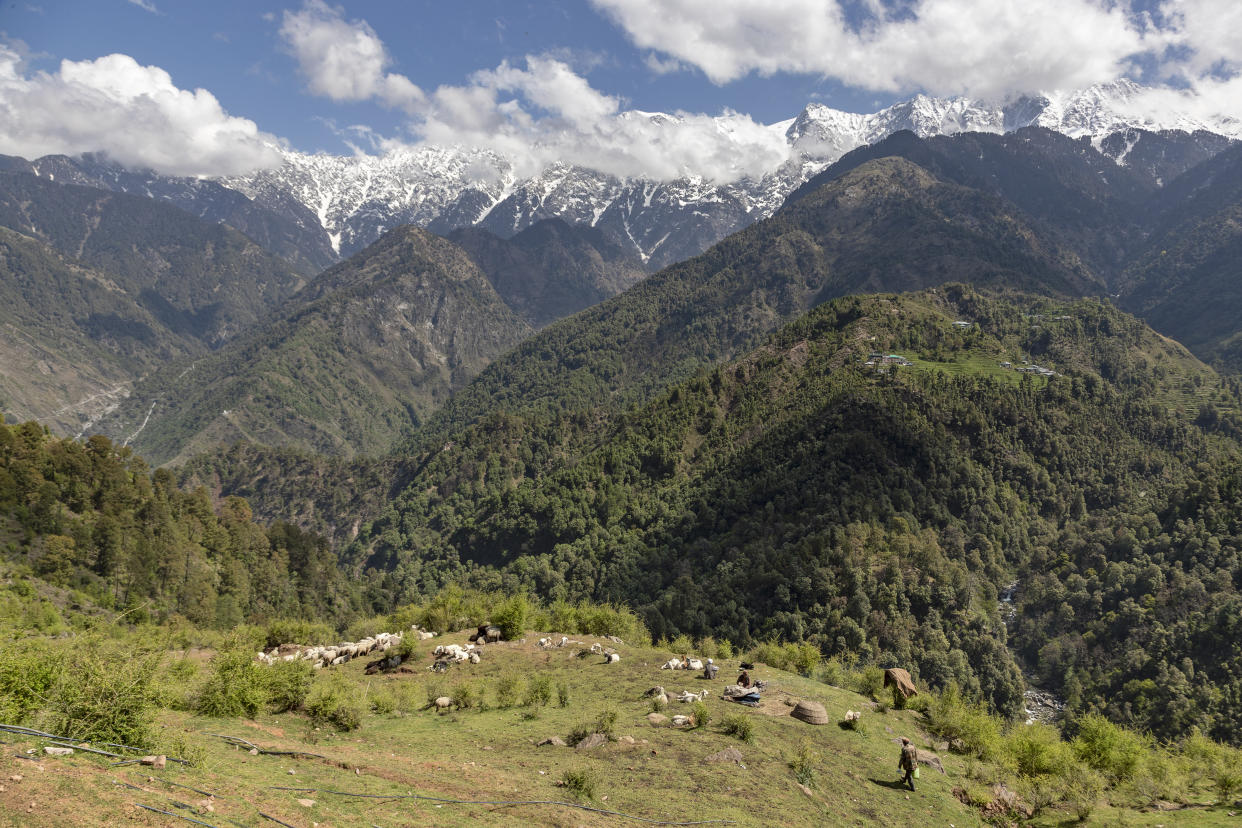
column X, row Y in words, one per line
column 58, row 751
column 657, row 719
column 591, row 742
column 555, row 741
column 730, row 754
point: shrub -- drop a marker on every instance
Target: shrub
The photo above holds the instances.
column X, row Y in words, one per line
column 658, row 705
column 363, row 628
column 28, row 671
column 951, row 717
column 803, row 764
column 508, row 689
column 236, row 685
column 511, row 616
column 288, row 684
column 464, row 696
column 383, row 702
column 581, row 782
column 831, row 672
column 538, row 691
column 334, row 703
column 870, row 682
column 606, row 723
column 407, row 649
column 1109, row 748
column 681, row 645
column 700, row 713
column 801, row 657
column 1037, row 750
column 106, row 693
column 562, row 694
column 297, row 631
column 739, row 725
column 1083, row 787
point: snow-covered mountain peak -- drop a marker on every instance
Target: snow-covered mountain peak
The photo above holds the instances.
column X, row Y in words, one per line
column 442, row 188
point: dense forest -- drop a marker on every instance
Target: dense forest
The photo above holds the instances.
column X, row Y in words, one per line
column 91, row 516
column 880, row 511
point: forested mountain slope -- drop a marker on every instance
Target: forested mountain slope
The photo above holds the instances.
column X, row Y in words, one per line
column 798, row 492
column 91, row 516
column 360, row 357
column 71, row 340
column 888, row 225
column 551, row 269
column 202, row 280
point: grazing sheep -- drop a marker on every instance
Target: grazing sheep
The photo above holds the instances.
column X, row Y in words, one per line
column 612, row 658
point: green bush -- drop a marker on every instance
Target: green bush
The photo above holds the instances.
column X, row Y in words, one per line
column 28, row 671
column 1109, row 748
column 383, row 702
column 803, row 764
column 739, row 725
column 562, row 694
column 334, row 703
column 869, row 682
column 700, row 713
column 606, row 722
column 289, row 683
column 581, row 782
column 465, row 696
column 511, row 616
column 508, row 690
column 952, row 717
column 801, row 657
column 298, row 631
column 538, row 691
column 1037, row 750
column 363, row 628
column 236, row 685
column 106, row 693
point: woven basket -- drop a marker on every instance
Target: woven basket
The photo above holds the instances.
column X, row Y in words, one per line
column 810, row 712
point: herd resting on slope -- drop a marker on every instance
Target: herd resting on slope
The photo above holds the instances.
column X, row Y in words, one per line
column 325, row 655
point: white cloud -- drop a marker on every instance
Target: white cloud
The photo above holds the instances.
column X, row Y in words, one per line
column 344, row 60
column 134, row 114
column 145, row 5
column 536, row 114
column 942, row 47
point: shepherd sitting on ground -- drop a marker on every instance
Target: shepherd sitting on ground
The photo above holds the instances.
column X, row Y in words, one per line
column 710, row 671
column 744, row 679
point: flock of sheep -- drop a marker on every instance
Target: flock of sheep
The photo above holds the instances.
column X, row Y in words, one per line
column 334, row 654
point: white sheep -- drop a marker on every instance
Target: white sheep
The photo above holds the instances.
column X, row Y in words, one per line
column 612, row 658
column 694, row 664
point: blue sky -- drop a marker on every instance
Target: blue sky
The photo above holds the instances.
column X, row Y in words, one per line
column 234, row 50
column 369, row 76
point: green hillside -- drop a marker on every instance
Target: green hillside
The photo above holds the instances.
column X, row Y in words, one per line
column 353, row 363
column 71, row 340
column 799, row 493
column 201, row 280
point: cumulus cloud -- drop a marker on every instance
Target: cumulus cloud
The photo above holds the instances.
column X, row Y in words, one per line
column 536, row 112
column 134, row 114
column 344, row 60
column 939, row 46
column 993, row 51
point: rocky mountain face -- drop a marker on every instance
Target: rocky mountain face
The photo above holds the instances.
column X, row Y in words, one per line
column 71, row 339
column 551, row 269
column 317, row 208
column 353, row 362
column 662, row 222
column 291, row 231
column 202, row 280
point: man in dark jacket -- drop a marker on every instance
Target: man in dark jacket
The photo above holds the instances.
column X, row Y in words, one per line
column 909, row 761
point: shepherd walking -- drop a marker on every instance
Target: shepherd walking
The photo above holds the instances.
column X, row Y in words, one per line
column 909, row 761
